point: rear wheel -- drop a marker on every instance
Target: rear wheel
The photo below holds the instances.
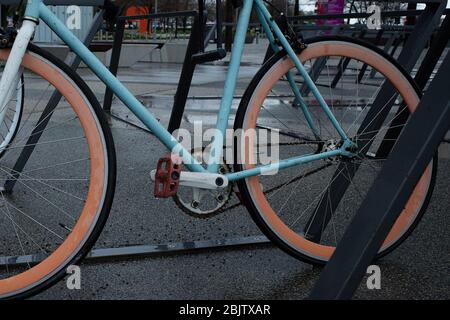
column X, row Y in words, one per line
column 54, row 210
column 306, row 209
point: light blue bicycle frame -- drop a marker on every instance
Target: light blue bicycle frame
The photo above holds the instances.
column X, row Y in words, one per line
column 36, row 9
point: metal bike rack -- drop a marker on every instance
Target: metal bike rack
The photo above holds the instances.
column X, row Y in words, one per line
column 400, row 174
column 141, row 251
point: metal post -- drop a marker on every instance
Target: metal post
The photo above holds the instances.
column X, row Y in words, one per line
column 186, row 76
column 115, row 60
column 229, row 26
column 219, row 20
column 201, row 23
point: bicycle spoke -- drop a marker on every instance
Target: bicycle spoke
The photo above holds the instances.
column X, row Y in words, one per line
column 16, row 142
column 41, row 196
column 11, row 173
column 34, row 220
column 14, row 226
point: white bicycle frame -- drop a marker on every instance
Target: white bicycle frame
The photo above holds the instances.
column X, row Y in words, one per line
column 13, row 71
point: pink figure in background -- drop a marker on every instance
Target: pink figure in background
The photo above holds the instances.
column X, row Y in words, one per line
column 330, row 7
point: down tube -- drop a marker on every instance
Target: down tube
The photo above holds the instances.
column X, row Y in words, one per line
column 117, row 87
column 230, row 84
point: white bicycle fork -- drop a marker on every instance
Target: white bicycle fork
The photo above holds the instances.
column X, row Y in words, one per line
column 12, row 72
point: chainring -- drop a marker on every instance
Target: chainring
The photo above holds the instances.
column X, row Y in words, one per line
column 200, row 203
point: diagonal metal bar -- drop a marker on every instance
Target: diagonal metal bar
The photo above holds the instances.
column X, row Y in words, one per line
column 422, row 77
column 114, row 63
column 186, row 77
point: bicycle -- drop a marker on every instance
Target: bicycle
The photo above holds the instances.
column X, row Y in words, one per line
column 301, row 202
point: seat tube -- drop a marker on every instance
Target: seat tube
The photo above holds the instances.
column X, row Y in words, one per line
column 230, row 86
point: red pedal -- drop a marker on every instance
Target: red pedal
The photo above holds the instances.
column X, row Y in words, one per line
column 167, row 177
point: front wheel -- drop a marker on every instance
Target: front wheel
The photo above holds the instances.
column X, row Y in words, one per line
column 53, row 210
column 306, row 209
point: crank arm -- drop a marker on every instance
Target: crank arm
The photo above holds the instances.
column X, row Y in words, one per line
column 199, row 180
